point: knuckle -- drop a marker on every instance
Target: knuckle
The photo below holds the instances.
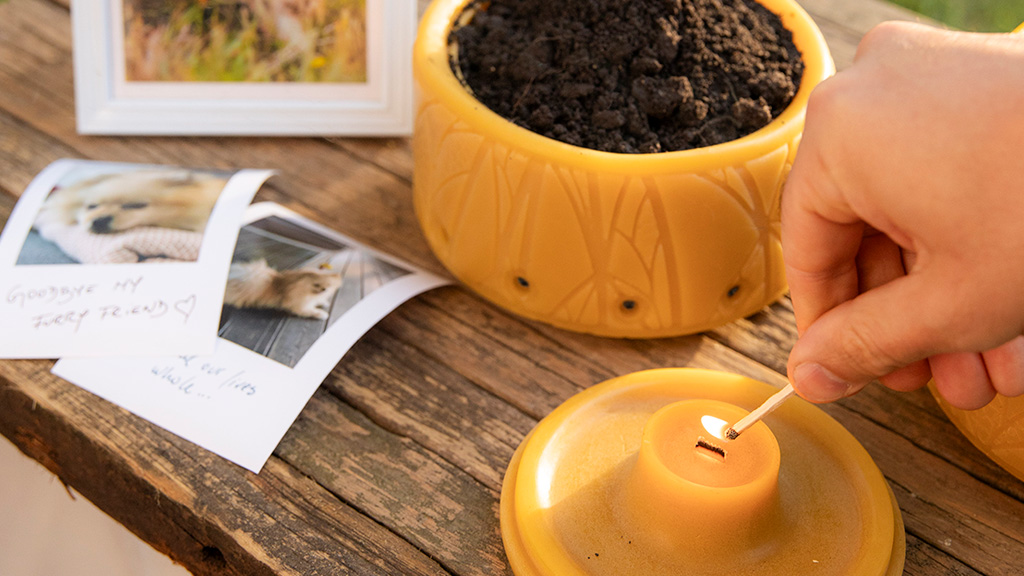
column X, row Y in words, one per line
column 884, row 35
column 861, row 350
column 825, row 97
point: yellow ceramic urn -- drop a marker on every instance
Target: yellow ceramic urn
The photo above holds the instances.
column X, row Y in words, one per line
column 623, row 245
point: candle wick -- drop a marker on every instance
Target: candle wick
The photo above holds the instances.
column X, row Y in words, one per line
column 704, row 444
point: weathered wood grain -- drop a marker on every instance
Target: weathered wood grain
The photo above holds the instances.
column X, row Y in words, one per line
column 918, row 418
column 437, row 506
column 205, row 513
column 944, row 506
column 395, row 464
column 923, row 559
column 24, row 153
column 6, row 206
column 762, row 335
column 407, row 392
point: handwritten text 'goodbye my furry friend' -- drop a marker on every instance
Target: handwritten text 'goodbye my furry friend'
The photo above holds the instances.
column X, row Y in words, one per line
column 72, row 317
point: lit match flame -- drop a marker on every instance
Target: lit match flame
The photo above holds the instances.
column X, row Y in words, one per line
column 715, row 426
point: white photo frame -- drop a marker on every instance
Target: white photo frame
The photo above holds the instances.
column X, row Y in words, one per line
column 108, row 103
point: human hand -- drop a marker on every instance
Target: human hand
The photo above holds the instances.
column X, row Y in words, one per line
column 903, row 219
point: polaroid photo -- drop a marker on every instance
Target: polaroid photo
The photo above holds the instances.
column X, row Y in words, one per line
column 100, row 258
column 298, row 296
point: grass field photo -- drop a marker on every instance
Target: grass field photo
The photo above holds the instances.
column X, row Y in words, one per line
column 245, row 41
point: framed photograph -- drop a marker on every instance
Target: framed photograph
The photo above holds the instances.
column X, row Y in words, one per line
column 244, row 67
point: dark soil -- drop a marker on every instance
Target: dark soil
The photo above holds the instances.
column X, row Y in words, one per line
column 631, row 76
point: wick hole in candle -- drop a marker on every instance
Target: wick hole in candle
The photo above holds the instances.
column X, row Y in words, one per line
column 709, row 449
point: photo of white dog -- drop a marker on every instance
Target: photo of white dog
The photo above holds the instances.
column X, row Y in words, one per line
column 152, row 214
column 307, row 293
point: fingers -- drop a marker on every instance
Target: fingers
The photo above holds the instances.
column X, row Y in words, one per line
column 880, row 261
column 966, row 380
column 815, row 383
column 1005, row 367
column 868, row 337
column 969, row 380
column 876, row 336
column 961, row 379
column 865, row 308
column 910, row 377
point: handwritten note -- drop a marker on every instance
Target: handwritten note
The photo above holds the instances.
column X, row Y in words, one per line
column 203, row 378
column 66, row 307
column 100, row 258
column 239, row 401
column 228, row 402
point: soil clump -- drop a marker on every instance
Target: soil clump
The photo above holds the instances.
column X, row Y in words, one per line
column 629, row 76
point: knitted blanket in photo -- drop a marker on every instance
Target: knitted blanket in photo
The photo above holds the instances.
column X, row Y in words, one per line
column 145, row 244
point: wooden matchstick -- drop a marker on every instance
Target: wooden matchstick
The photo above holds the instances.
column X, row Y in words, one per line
column 750, row 419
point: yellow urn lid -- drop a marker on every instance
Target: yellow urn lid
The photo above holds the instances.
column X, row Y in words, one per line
column 633, row 476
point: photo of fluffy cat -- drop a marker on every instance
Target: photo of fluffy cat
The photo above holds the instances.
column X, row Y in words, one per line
column 306, row 293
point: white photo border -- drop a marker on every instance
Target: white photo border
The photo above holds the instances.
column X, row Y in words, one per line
column 106, row 104
column 245, row 432
column 198, row 286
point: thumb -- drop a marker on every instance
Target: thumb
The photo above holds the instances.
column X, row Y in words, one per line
column 868, row 337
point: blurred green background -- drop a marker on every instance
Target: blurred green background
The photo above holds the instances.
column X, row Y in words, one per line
column 975, row 15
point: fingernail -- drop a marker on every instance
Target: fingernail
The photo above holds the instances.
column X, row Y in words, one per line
column 818, row 384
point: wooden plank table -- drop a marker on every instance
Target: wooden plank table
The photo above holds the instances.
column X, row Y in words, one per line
column 395, row 465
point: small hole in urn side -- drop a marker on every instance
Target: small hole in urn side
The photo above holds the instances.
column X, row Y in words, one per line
column 732, row 291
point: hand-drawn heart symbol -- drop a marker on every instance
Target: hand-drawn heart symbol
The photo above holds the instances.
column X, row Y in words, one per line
column 186, row 306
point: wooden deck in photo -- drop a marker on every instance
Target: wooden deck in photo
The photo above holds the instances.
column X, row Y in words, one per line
column 283, row 245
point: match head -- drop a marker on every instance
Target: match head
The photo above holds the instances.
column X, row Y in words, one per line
column 732, row 434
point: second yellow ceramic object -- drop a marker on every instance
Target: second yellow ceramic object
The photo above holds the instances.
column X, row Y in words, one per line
column 633, row 477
